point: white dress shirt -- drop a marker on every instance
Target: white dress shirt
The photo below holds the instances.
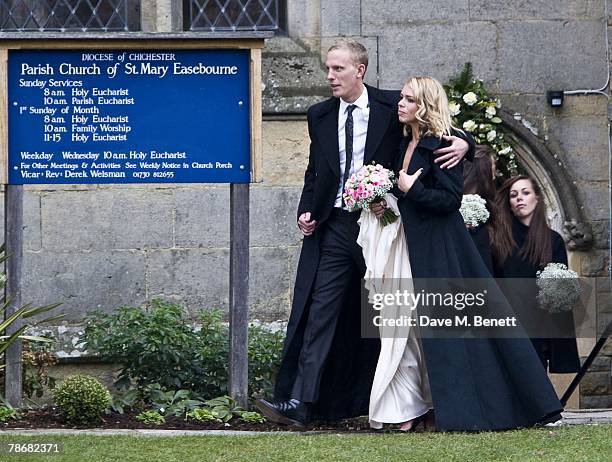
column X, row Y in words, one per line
column 360, row 130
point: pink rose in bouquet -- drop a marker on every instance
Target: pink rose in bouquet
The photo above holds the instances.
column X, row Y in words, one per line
column 369, row 185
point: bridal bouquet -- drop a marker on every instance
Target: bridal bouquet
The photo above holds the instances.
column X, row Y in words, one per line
column 559, row 288
column 367, row 186
column 474, row 210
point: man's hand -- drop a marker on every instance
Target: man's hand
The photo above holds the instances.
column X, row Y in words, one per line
column 306, row 225
column 406, row 181
column 378, row 208
column 452, row 155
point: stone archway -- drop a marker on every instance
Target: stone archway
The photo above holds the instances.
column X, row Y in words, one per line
column 564, row 211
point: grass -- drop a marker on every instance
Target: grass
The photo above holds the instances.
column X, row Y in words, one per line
column 573, row 443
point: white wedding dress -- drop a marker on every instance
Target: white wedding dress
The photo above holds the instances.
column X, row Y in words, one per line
column 400, row 390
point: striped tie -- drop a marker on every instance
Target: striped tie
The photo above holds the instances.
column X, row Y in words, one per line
column 348, row 134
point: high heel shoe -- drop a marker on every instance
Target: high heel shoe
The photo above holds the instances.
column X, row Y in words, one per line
column 415, row 423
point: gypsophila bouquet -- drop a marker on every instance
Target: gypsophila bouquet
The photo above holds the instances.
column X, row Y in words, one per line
column 473, row 110
column 367, row 186
column 474, row 210
column 559, row 288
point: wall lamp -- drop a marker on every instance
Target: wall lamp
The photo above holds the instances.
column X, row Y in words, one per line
column 555, row 98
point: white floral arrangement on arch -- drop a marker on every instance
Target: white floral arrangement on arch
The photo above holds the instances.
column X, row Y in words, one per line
column 559, row 288
column 474, row 210
column 475, row 111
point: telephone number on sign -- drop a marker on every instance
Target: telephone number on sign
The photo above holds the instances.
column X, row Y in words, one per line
column 143, row 175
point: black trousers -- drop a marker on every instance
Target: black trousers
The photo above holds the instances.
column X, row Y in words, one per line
column 340, row 257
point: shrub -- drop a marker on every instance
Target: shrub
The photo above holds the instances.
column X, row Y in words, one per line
column 213, row 353
column 81, row 399
column 204, row 415
column 225, row 407
column 265, row 354
column 170, row 402
column 7, row 320
column 158, row 346
column 265, row 351
column 36, row 358
column 119, row 403
column 155, row 346
column 252, row 417
column 151, row 418
column 7, row 413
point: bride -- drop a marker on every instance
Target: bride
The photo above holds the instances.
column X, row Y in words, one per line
column 471, row 383
column 400, row 391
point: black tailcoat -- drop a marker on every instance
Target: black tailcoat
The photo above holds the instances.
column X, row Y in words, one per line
column 476, row 384
column 347, row 380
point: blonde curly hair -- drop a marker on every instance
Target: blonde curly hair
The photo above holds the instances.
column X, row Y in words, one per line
column 432, row 114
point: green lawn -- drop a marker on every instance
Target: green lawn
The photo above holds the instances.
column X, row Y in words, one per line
column 575, row 443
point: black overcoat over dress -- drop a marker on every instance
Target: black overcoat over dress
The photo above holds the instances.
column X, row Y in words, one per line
column 558, row 355
column 476, row 383
column 347, row 378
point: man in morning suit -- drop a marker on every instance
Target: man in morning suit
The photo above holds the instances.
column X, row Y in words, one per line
column 327, row 368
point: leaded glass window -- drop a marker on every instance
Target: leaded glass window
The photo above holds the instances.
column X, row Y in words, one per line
column 232, row 15
column 69, row 15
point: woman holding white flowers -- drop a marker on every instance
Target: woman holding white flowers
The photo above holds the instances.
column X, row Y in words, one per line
column 473, row 384
column 523, row 244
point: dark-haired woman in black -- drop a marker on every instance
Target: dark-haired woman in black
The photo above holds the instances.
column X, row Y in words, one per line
column 523, row 244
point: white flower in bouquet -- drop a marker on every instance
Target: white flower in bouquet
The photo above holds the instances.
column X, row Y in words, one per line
column 505, row 151
column 369, row 185
column 490, row 112
column 469, row 125
column 491, row 135
column 474, row 210
column 470, row 98
column 559, row 288
column 454, row 108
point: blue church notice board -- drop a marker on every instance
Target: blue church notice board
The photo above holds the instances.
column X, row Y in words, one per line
column 125, row 116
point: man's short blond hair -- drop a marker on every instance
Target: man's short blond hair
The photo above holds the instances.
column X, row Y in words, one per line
column 358, row 52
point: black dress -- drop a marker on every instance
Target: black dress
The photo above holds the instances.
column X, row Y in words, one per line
column 559, row 355
column 482, row 241
column 476, row 383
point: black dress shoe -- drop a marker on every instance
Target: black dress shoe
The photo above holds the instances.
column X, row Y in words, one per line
column 293, row 412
